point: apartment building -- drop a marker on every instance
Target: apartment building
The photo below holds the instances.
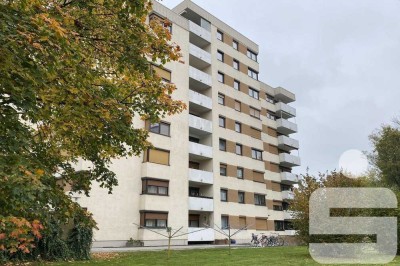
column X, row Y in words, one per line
column 224, row 162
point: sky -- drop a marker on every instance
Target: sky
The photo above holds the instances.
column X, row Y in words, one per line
column 342, row 60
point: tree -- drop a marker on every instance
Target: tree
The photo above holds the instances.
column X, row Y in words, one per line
column 385, row 156
column 73, row 76
column 300, row 205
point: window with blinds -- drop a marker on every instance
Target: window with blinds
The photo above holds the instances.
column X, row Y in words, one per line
column 162, row 73
column 261, row 224
column 258, row 176
column 155, row 187
column 157, row 156
column 242, row 222
column 154, row 219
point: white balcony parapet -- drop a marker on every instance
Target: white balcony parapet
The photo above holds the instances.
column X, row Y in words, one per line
column 200, row 125
column 200, row 53
column 288, row 215
column 289, row 178
column 200, row 31
column 202, row 101
column 284, row 95
column 200, row 77
column 287, row 195
column 286, row 127
column 289, row 160
column 290, row 232
column 201, row 204
column 284, row 110
column 287, row 144
column 201, row 151
column 200, row 176
column 201, row 234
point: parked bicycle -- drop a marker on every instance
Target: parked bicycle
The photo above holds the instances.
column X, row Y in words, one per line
column 275, row 241
column 266, row 241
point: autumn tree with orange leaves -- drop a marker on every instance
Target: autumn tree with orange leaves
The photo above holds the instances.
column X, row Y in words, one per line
column 73, row 76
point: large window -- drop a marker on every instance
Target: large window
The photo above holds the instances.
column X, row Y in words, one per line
column 236, row 64
column 222, row 169
column 194, row 220
column 222, row 145
column 253, row 74
column 224, row 222
column 238, row 127
column 224, row 195
column 240, row 173
column 254, row 112
column 236, row 85
column 254, row 93
column 279, row 226
column 157, row 156
column 222, row 121
column 154, row 219
column 221, row 99
column 241, row 197
column 155, row 187
column 221, row 77
column 239, row 149
column 220, row 36
column 161, row 128
column 163, row 73
column 220, row 56
column 252, row 55
column 235, row 44
column 256, row 154
column 259, row 199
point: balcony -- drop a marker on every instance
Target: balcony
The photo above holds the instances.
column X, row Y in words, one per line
column 201, row 234
column 289, row 178
column 288, row 215
column 285, row 111
column 290, row 232
column 286, row 127
column 199, row 80
column 199, row 35
column 288, row 160
column 199, row 126
column 199, row 103
column 201, row 177
column 199, row 58
column 287, row 195
column 199, row 151
column 202, row 204
column 284, row 95
column 287, row 144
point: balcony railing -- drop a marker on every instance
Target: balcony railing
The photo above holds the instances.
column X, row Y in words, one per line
column 288, row 215
column 199, row 102
column 287, row 195
column 199, row 58
column 199, row 35
column 289, row 160
column 199, row 126
column 287, row 144
column 284, row 95
column 285, row 111
column 289, row 178
column 202, row 177
column 286, row 127
column 199, row 80
column 201, row 234
column 201, row 204
column 200, row 151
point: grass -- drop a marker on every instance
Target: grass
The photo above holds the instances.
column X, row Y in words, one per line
column 218, row 256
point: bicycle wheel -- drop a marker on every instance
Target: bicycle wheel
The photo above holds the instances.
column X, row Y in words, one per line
column 280, row 242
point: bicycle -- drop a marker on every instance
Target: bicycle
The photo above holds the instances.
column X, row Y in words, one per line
column 275, row 241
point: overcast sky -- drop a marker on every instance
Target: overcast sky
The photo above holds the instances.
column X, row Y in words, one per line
column 340, row 57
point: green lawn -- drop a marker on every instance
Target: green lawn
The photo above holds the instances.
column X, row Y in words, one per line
column 242, row 256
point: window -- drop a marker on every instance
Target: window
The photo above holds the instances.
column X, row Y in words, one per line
column 279, row 226
column 238, row 106
column 270, row 99
column 238, row 127
column 194, row 220
column 235, row 45
column 155, row 187
column 221, row 77
column 254, row 112
column 236, row 85
column 163, row 73
column 220, row 56
column 239, row 149
column 236, row 64
column 242, row 223
column 240, row 173
column 221, row 99
column 256, row 154
column 194, row 192
column 220, row 36
column 254, row 93
column 259, row 199
column 241, row 197
column 222, row 121
column 224, row 195
column 163, row 21
column 278, row 208
column 160, row 128
column 194, row 139
column 271, row 115
column 252, row 55
column 157, row 156
column 154, row 219
column 224, row 222
column 222, row 145
column 222, row 169
column 253, row 74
